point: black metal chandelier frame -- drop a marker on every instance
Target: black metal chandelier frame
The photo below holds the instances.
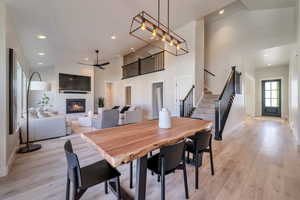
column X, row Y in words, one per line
column 172, row 42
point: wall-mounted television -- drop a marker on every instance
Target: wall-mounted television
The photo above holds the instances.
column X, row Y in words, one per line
column 69, row 83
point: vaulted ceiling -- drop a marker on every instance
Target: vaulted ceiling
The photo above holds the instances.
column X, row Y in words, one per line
column 76, row 27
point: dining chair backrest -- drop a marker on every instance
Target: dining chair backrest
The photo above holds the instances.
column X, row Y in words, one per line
column 202, row 140
column 73, row 164
column 172, row 155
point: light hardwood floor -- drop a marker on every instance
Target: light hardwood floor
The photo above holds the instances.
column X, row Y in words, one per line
column 258, row 161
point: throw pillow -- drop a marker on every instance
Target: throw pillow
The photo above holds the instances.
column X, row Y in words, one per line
column 116, row 107
column 124, row 109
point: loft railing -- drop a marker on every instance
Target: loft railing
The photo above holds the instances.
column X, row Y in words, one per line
column 187, row 104
column 224, row 103
column 150, row 64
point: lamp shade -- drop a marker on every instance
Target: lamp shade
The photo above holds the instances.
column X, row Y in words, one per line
column 39, row 85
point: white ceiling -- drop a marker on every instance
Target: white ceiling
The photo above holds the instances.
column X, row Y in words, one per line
column 76, row 27
column 276, row 56
column 269, row 4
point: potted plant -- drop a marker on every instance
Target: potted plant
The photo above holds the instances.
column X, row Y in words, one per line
column 100, row 105
column 44, row 102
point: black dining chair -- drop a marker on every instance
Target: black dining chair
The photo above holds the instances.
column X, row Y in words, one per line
column 166, row 162
column 201, row 142
column 83, row 178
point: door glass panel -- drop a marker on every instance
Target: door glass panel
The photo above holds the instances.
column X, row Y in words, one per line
column 274, row 94
column 267, row 86
column 274, row 102
column 275, row 85
column 268, row 102
column 267, row 94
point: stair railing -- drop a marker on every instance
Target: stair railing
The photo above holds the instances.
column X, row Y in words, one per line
column 187, row 104
column 224, row 103
column 208, row 72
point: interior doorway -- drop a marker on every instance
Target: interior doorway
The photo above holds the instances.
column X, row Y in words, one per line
column 271, row 98
column 157, row 99
column 108, row 95
column 128, row 95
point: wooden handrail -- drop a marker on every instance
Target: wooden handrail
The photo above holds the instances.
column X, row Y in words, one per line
column 205, row 70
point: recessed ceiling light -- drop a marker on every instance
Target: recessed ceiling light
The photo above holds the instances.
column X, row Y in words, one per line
column 221, row 12
column 113, row 37
column 41, row 37
column 132, row 49
column 40, row 63
column 266, row 55
column 269, row 64
column 41, row 54
column 86, row 59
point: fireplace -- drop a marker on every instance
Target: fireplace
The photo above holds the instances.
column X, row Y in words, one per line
column 75, row 106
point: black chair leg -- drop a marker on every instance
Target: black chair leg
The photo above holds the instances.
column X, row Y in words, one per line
column 74, row 193
column 163, row 190
column 68, row 189
column 185, row 181
column 131, row 173
column 106, row 187
column 158, row 178
column 119, row 189
column 211, row 161
column 162, row 180
column 196, row 157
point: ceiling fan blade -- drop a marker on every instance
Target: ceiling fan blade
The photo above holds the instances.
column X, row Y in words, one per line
column 85, row 64
column 103, row 64
column 100, row 67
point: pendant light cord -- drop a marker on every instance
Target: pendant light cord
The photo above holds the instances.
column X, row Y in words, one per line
column 168, row 16
column 158, row 13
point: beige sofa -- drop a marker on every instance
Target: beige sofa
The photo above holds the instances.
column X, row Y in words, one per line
column 133, row 115
column 45, row 128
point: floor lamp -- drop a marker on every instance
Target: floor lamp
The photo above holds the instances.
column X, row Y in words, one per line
column 37, row 86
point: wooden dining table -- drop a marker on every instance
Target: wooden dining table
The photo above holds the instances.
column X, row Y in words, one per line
column 123, row 144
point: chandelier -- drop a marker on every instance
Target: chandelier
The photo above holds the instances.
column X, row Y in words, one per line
column 151, row 31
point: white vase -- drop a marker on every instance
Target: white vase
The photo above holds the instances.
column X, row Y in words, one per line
column 165, row 118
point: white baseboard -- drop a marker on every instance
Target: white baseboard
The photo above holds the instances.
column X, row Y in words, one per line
column 234, row 128
column 294, row 132
column 12, row 156
column 5, row 169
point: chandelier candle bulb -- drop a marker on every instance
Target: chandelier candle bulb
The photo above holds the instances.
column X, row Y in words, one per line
column 143, row 26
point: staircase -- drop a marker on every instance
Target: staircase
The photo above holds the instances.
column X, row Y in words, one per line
column 206, row 108
column 213, row 107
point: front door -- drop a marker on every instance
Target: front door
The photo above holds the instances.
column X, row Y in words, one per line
column 271, row 98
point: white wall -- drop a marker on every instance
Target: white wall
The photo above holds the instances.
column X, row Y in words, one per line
column 269, row 73
column 294, row 81
column 141, row 90
column 3, row 91
column 8, row 39
column 232, row 38
column 200, row 62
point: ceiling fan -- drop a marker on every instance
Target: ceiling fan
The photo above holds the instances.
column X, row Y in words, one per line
column 97, row 64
